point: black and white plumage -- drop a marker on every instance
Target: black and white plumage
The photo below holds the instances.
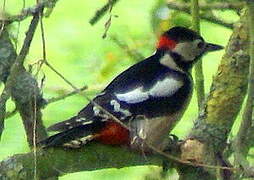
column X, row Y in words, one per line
column 158, row 89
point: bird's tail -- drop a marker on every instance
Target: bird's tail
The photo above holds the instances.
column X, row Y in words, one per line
column 71, row 138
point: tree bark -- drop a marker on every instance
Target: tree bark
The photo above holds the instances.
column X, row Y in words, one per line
column 58, row 161
column 223, row 103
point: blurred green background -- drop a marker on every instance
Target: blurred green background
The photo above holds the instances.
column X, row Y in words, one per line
column 78, row 51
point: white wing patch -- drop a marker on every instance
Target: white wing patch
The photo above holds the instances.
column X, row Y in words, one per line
column 166, row 87
column 134, row 96
column 163, row 88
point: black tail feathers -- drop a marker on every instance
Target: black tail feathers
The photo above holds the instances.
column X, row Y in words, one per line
column 72, row 138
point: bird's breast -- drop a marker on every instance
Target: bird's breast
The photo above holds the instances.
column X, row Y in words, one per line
column 152, row 131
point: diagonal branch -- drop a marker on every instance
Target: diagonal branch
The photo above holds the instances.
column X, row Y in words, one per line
column 30, row 11
column 102, row 11
column 16, row 69
column 206, row 16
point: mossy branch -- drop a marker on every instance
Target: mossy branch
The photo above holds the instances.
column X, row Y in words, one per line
column 58, row 161
column 16, row 69
column 224, row 102
column 242, row 143
column 24, row 90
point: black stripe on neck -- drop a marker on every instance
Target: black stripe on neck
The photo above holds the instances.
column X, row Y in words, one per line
column 178, row 59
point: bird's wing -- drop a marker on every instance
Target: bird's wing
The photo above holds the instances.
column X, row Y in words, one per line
column 140, row 83
column 163, row 88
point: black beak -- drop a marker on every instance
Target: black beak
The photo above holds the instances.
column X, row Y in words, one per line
column 213, row 47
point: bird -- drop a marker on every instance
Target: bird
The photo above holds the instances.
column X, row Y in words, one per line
column 141, row 104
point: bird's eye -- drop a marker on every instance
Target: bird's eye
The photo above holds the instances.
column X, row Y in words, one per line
column 200, row 44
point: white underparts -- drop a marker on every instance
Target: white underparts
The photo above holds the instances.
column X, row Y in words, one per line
column 163, row 88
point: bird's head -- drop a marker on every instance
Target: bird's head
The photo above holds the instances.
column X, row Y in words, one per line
column 185, row 43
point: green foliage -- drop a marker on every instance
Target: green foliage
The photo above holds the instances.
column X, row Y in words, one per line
column 76, row 49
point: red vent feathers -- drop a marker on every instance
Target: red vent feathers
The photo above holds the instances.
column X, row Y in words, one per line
column 113, row 133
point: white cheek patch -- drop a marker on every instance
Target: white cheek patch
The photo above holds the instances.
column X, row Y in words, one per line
column 188, row 50
column 163, row 88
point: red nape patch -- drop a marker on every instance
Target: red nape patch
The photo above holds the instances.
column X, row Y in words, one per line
column 166, row 43
column 113, row 133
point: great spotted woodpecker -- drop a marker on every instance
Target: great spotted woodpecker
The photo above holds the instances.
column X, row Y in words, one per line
column 149, row 97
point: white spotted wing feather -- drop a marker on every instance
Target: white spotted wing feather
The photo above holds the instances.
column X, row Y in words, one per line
column 164, row 88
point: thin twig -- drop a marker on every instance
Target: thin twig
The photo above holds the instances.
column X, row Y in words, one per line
column 60, row 75
column 49, row 101
column 44, row 55
column 209, row 6
column 18, row 29
column 199, row 75
column 102, row 11
column 213, row 19
column 55, row 99
column 34, row 136
column 171, row 157
column 30, row 11
column 132, row 53
column 35, row 99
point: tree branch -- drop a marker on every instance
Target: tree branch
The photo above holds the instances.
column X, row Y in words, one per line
column 58, row 161
column 30, row 11
column 241, row 145
column 132, row 53
column 186, row 9
column 55, row 99
column 24, row 90
column 199, row 75
column 49, row 101
column 102, row 11
column 15, row 69
column 223, row 103
column 7, row 58
column 208, row 6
